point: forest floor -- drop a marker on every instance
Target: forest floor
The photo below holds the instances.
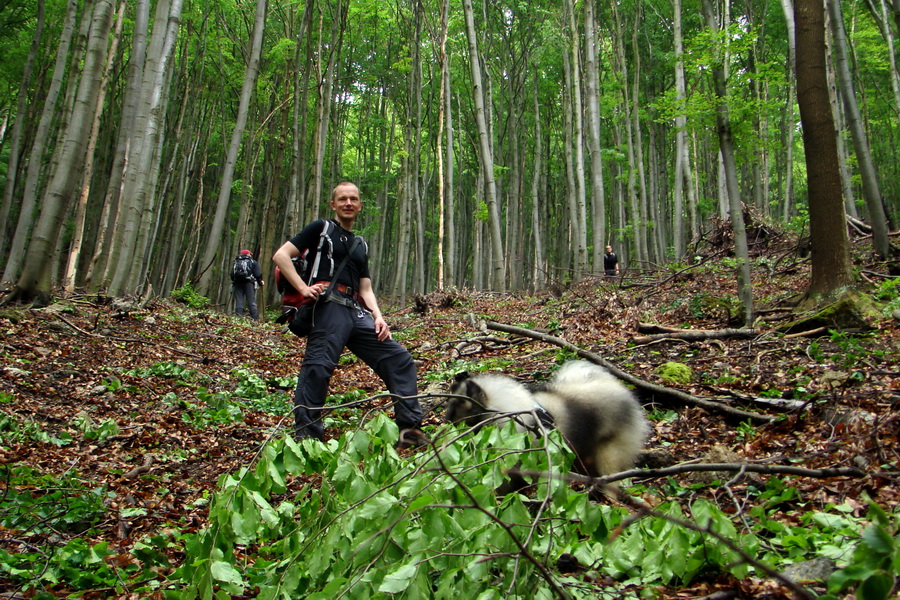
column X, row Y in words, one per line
column 101, row 398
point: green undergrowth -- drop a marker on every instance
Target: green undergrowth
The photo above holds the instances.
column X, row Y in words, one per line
column 353, row 519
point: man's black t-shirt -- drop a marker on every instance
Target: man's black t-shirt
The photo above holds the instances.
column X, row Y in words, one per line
column 340, row 240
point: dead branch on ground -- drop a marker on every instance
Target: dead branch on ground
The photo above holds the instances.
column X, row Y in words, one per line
column 696, row 335
column 645, row 386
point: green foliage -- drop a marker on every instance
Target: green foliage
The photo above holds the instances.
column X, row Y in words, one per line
column 482, row 213
column 215, row 409
column 13, row 432
column 168, row 370
column 255, row 390
column 77, row 564
column 875, row 564
column 888, row 292
column 93, row 431
column 799, row 223
column 745, row 430
column 187, row 295
column 43, row 504
column 430, row 525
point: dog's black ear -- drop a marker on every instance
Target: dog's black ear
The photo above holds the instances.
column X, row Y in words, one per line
column 461, row 376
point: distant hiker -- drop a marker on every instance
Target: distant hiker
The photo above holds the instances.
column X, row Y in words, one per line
column 344, row 313
column 245, row 276
column 610, row 262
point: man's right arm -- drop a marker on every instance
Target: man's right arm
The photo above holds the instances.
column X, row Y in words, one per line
column 283, row 260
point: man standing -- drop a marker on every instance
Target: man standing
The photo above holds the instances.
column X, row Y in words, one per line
column 245, row 276
column 348, row 316
column 610, row 263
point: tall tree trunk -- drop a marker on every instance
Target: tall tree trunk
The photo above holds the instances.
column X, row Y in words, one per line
column 218, row 225
column 485, row 152
column 574, row 230
column 880, row 12
column 726, row 151
column 325, row 85
column 681, row 155
column 295, row 216
column 638, row 227
column 837, row 114
column 453, row 262
column 17, row 141
column 106, row 250
column 140, row 186
column 637, row 133
column 598, row 192
column 581, row 252
column 443, row 115
column 36, row 160
column 415, row 97
column 870, row 186
column 828, row 230
column 34, row 281
column 788, row 200
column 81, row 206
column 404, row 233
column 540, row 275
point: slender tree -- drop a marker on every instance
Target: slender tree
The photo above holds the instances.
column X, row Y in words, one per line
column 485, row 152
column 81, row 205
column 214, row 240
column 36, row 163
column 17, row 142
column 828, row 231
column 592, row 98
column 727, row 154
column 34, row 281
column 868, row 171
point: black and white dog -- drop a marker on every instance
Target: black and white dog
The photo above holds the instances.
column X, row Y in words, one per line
column 600, row 418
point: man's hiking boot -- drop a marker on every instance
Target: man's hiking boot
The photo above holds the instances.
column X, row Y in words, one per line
column 411, row 438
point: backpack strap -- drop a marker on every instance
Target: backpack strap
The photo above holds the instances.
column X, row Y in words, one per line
column 326, row 230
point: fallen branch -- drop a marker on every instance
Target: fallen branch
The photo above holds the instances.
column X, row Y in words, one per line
column 694, row 335
column 645, row 386
column 126, row 340
column 699, row 468
column 775, row 403
column 144, row 468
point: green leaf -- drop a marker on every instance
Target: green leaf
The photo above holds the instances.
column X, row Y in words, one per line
column 227, row 575
column 398, row 580
column 876, row 587
column 879, row 541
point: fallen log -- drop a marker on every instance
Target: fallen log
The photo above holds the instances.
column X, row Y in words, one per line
column 645, row 386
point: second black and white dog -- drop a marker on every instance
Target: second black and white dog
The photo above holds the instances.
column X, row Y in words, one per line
column 599, row 418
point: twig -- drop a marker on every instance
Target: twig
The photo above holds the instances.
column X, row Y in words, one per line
column 705, row 467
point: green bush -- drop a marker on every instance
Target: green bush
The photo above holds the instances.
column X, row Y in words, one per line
column 187, row 295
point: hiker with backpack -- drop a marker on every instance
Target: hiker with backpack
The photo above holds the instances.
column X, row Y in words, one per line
column 245, row 276
column 340, row 310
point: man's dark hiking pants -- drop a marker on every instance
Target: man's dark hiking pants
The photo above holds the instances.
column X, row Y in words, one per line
column 335, row 327
column 245, row 290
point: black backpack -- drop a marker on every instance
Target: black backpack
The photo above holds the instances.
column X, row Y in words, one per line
column 242, row 269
